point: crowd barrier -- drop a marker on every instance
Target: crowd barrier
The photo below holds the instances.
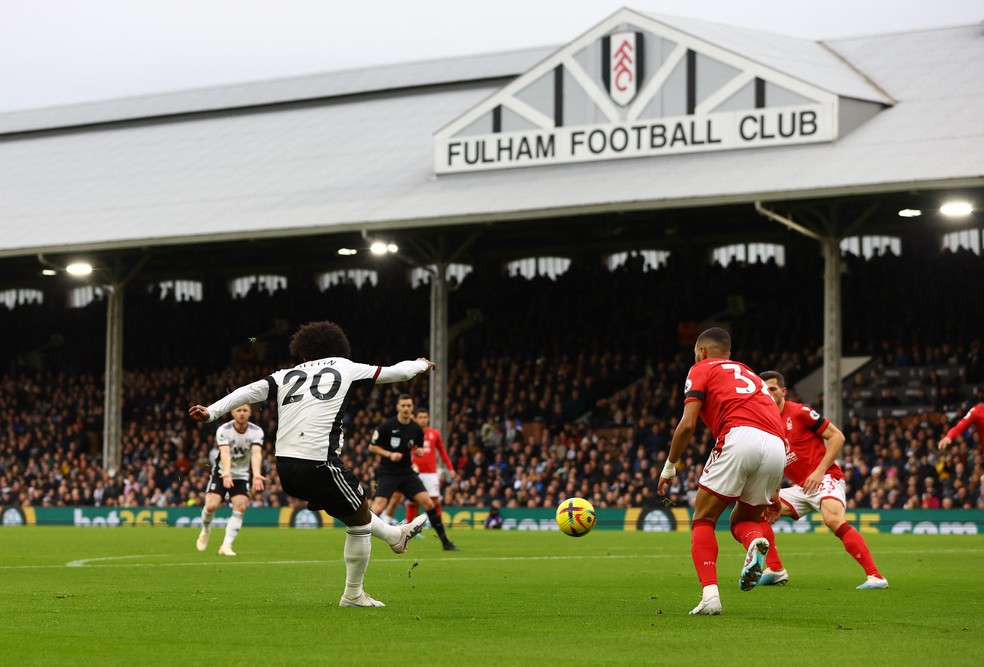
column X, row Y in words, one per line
column 651, row 519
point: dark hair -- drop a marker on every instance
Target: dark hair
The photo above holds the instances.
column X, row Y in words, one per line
column 403, row 397
column 319, row 340
column 715, row 337
column 773, row 375
column 421, row 409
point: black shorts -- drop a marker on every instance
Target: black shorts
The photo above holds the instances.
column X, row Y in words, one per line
column 389, row 482
column 325, row 485
column 240, row 487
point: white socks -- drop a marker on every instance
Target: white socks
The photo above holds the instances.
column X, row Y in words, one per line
column 387, row 533
column 207, row 520
column 358, row 546
column 232, row 528
column 711, row 592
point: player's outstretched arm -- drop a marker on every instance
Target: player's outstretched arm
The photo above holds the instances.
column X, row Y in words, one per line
column 198, row 412
column 250, row 393
column 959, row 427
column 404, row 370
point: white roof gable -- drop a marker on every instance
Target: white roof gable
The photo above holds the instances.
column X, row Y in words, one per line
column 683, row 86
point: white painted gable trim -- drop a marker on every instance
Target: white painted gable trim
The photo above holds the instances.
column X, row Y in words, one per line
column 621, row 18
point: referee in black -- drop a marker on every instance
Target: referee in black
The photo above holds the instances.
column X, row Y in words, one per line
column 393, row 441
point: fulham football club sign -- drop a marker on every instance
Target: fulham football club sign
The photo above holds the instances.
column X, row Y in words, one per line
column 638, row 87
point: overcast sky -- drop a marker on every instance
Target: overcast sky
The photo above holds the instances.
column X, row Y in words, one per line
column 55, row 52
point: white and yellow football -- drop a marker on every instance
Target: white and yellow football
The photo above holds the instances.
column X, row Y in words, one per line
column 576, row 517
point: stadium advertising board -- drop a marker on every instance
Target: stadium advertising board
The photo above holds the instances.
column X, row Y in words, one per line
column 114, row 517
column 650, row 519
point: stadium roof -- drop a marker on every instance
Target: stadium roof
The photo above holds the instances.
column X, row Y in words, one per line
column 352, row 153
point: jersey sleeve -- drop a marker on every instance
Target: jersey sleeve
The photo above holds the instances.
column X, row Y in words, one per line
column 250, row 393
column 222, row 437
column 963, row 424
column 257, row 439
column 811, row 420
column 695, row 388
column 400, row 372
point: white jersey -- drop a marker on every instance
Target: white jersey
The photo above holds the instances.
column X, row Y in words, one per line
column 240, row 448
column 311, row 400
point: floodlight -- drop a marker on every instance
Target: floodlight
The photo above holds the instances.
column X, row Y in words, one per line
column 955, row 209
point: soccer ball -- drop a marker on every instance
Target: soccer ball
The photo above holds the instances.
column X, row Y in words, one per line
column 576, row 517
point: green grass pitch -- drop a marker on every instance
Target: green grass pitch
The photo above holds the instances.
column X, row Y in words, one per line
column 145, row 596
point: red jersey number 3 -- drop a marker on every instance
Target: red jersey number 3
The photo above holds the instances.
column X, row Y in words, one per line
column 747, row 385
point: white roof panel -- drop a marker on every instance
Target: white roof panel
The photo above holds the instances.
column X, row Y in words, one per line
column 279, row 91
column 801, row 58
column 365, row 161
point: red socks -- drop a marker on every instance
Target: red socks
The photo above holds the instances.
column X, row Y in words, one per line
column 772, row 560
column 746, row 531
column 704, row 551
column 412, row 510
column 855, row 545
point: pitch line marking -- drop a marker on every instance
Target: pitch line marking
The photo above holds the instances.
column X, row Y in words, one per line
column 85, row 561
column 92, row 563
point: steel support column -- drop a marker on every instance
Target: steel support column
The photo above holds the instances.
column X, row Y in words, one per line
column 112, row 412
column 439, row 347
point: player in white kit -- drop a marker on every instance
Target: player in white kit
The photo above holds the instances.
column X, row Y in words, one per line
column 238, row 466
column 311, row 400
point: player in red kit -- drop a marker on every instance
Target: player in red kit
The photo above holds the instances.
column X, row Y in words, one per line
column 425, row 462
column 974, row 417
column 814, row 445
column 744, row 466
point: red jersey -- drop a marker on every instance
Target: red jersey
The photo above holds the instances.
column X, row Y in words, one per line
column 805, row 446
column 425, row 457
column 733, row 395
column 974, row 417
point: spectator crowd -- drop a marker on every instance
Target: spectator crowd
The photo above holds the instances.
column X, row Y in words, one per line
column 548, row 398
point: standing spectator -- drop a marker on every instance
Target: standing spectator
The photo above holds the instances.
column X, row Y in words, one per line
column 311, row 399
column 240, row 444
column 745, row 464
column 811, row 464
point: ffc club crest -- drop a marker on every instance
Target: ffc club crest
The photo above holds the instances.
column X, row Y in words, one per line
column 621, row 65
